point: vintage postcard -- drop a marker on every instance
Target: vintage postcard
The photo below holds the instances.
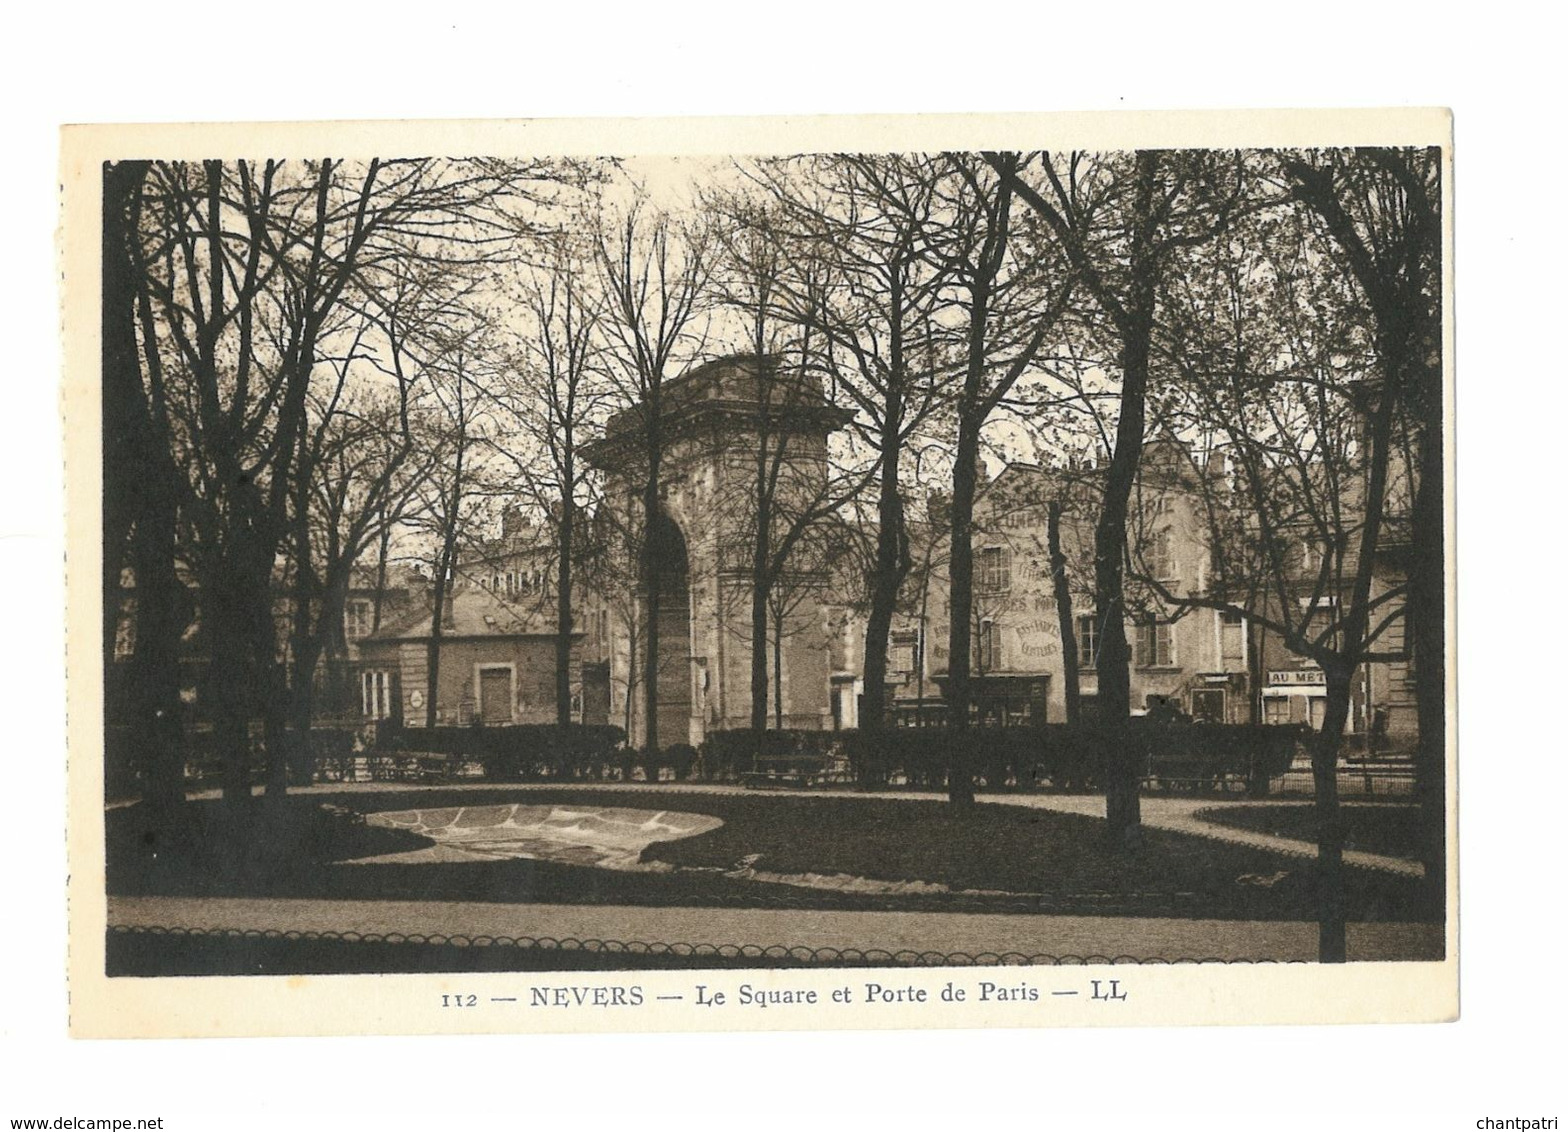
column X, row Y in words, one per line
column 748, row 574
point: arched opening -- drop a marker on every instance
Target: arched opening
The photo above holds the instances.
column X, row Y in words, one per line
column 672, row 577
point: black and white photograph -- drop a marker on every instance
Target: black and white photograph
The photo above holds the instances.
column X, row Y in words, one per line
column 813, row 566
column 851, row 559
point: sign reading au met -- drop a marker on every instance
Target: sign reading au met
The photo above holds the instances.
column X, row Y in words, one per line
column 1295, row 677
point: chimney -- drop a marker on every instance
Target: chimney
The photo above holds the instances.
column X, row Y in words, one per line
column 511, row 521
column 1214, row 465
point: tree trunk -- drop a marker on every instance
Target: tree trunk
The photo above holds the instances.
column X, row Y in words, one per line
column 1122, row 763
column 433, row 664
column 230, row 684
column 439, row 597
column 158, row 734
column 124, row 409
column 563, row 611
column 1331, row 831
column 760, row 590
column 383, row 549
column 306, row 648
column 961, row 575
column 651, row 580
column 269, row 677
column 778, row 673
column 302, row 708
column 281, row 745
column 140, row 512
column 1064, row 611
column 892, row 563
column 1425, row 621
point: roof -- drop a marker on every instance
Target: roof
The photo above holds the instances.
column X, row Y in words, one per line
column 476, row 612
column 740, row 387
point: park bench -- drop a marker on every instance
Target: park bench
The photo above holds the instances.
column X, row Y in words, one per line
column 795, row 770
column 415, row 766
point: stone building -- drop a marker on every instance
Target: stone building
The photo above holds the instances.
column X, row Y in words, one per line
column 496, row 662
column 1208, row 664
column 716, row 419
column 1200, row 663
column 497, row 653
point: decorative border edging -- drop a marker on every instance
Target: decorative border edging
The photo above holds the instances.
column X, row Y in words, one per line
column 796, row 954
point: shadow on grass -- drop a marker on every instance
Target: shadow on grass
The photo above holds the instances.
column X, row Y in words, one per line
column 1390, row 828
column 998, row 858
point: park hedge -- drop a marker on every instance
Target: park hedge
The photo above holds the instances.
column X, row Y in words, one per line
column 733, row 754
column 518, row 752
column 1057, row 755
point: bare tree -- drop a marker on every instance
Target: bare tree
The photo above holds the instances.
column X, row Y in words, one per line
column 234, row 318
column 1011, row 303
column 1061, row 592
column 552, row 394
column 1122, row 221
column 243, row 270
column 794, row 489
column 140, row 511
column 455, row 497
column 654, row 272
column 1280, row 370
column 872, row 297
column 359, row 465
column 1382, row 210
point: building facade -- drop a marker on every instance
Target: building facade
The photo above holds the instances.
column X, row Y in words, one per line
column 1202, row 663
column 718, row 418
column 498, row 654
column 496, row 660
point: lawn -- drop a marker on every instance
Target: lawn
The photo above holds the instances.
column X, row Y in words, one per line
column 999, row 858
column 1393, row 830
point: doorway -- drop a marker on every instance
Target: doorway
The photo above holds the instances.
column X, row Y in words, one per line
column 495, row 694
column 672, row 577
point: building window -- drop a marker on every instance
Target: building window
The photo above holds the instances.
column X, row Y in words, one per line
column 1208, row 705
column 358, row 617
column 989, row 646
column 904, row 655
column 375, row 695
column 1155, row 646
column 1322, row 625
column 1162, row 561
column 996, row 568
column 1088, row 641
column 1233, row 649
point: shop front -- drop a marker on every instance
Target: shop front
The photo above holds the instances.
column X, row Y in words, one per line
column 1294, row 695
column 1219, row 697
